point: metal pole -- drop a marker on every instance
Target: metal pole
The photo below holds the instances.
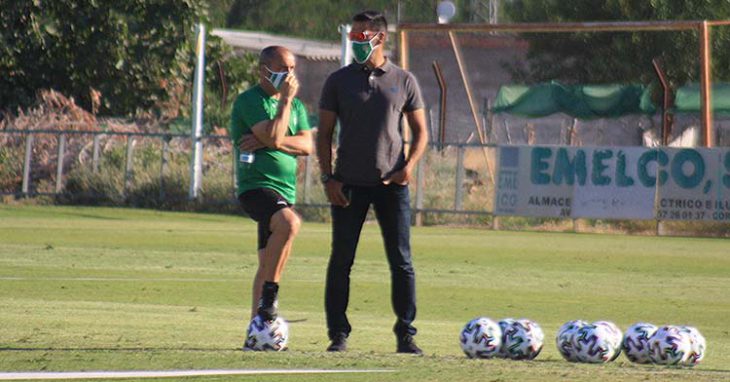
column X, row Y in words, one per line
column 470, row 97
column 234, row 173
column 706, row 84
column 307, row 179
column 666, row 127
column 442, row 104
column 459, row 194
column 403, row 56
column 196, row 162
column 163, row 165
column 420, row 185
column 59, row 164
column 346, row 55
column 26, row 163
column 95, row 155
column 128, row 167
column 601, row 26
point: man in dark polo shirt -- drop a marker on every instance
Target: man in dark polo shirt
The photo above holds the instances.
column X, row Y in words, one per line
column 370, row 99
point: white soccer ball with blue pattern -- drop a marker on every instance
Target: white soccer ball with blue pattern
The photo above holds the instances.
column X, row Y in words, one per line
column 564, row 339
column 670, row 345
column 504, row 325
column 265, row 335
column 481, row 338
column 523, row 340
column 697, row 348
column 598, row 342
column 636, row 342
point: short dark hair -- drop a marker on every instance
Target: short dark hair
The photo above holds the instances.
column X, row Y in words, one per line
column 375, row 20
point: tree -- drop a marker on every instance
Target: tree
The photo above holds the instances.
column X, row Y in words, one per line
column 318, row 19
column 620, row 56
column 126, row 50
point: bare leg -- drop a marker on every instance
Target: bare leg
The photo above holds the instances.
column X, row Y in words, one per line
column 258, row 282
column 284, row 226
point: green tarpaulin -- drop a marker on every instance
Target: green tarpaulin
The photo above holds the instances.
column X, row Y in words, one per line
column 579, row 101
column 687, row 99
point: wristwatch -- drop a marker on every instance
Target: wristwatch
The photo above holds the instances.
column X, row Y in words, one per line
column 324, row 178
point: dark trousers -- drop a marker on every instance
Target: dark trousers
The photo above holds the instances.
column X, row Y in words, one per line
column 393, row 211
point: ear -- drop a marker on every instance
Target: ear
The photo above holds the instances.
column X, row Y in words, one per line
column 380, row 38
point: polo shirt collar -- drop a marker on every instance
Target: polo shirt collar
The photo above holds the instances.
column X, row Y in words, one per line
column 383, row 68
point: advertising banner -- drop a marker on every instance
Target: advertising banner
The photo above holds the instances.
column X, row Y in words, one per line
column 614, row 182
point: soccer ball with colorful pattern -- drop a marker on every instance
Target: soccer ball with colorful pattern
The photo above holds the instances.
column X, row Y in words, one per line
column 636, row 342
column 564, row 339
column 598, row 342
column 670, row 345
column 697, row 348
column 481, row 338
column 522, row 340
column 265, row 335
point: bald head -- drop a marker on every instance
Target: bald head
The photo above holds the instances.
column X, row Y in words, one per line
column 274, row 53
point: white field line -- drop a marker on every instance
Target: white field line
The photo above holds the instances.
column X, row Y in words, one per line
column 171, row 279
column 45, row 376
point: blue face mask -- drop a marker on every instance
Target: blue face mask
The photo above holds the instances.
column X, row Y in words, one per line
column 276, row 78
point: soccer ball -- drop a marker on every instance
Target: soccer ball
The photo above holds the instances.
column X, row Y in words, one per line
column 265, row 335
column 481, row 338
column 503, row 326
column 698, row 344
column 670, row 345
column 598, row 342
column 564, row 339
column 636, row 342
column 523, row 340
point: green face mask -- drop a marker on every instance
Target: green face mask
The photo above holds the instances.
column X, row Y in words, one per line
column 361, row 50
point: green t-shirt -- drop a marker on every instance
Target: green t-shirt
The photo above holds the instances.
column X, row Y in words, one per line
column 271, row 168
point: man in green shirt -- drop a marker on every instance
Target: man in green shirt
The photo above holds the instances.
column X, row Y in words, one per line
column 269, row 129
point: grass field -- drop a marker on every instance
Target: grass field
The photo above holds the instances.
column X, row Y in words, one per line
column 119, row 289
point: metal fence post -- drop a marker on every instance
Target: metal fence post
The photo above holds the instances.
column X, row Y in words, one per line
column 234, row 172
column 420, row 184
column 163, row 165
column 59, row 165
column 307, row 179
column 26, row 163
column 459, row 194
column 128, row 168
column 95, row 155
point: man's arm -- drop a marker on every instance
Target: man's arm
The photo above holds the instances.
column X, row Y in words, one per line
column 300, row 144
column 333, row 188
column 417, row 122
column 272, row 133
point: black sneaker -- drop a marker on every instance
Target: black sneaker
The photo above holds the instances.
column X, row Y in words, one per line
column 339, row 343
column 407, row 345
column 268, row 310
column 269, row 304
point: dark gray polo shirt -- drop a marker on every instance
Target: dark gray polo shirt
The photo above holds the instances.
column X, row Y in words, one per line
column 370, row 107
